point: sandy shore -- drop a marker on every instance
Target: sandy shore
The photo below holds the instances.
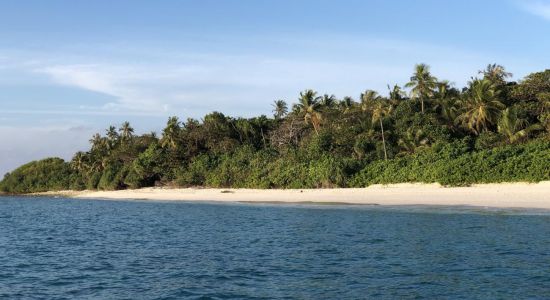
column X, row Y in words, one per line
column 519, row 195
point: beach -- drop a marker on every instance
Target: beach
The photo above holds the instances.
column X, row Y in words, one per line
column 505, row 195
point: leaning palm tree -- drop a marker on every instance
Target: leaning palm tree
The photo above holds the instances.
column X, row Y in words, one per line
column 309, row 107
column 422, row 83
column 380, row 110
column 481, row 106
column 280, row 109
column 514, row 128
column 368, row 100
column 126, row 131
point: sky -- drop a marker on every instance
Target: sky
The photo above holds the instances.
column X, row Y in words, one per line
column 70, row 68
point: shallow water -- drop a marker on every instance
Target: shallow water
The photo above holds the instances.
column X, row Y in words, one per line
column 65, row 249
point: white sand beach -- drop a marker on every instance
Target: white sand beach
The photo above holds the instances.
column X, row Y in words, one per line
column 510, row 195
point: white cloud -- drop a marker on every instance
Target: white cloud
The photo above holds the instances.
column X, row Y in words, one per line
column 539, row 8
column 165, row 82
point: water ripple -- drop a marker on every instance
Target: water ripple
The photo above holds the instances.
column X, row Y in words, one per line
column 66, row 249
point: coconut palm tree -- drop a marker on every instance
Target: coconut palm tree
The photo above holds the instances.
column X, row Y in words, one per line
column 422, row 83
column 445, row 102
column 126, row 131
column 412, row 141
column 280, row 109
column 481, row 106
column 379, row 111
column 395, row 93
column 98, row 142
column 346, row 104
column 514, row 128
column 368, row 100
column 78, row 162
column 170, row 133
column 495, row 73
column 328, row 101
column 111, row 133
column 309, row 107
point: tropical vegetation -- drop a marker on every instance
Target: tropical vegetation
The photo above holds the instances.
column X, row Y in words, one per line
column 492, row 130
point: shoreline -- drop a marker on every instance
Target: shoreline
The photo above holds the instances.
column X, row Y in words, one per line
column 500, row 195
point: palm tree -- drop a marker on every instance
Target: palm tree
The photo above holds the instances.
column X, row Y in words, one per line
column 98, row 142
column 126, row 131
column 422, row 83
column 78, row 162
column 480, row 107
column 395, row 93
column 445, row 102
column 412, row 141
column 171, row 133
column 328, row 101
column 495, row 73
column 368, row 99
column 379, row 111
column 112, row 137
column 513, row 127
column 309, row 107
column 347, row 104
column 280, row 109
column 112, row 134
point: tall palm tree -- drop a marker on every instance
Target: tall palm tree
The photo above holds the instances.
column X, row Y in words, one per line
column 379, row 111
column 309, row 107
column 126, row 131
column 514, row 128
column 170, row 133
column 368, row 100
column 422, row 83
column 280, row 109
column 495, row 73
column 481, row 106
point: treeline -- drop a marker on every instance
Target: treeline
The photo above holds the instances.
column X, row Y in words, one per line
column 493, row 130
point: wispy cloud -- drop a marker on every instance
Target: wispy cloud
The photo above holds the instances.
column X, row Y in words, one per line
column 540, row 8
column 166, row 82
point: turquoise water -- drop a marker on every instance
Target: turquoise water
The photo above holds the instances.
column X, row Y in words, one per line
column 92, row 249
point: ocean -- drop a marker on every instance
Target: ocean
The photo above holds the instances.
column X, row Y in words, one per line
column 55, row 248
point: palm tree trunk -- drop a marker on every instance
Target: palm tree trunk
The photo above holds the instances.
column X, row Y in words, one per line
column 422, row 104
column 383, row 140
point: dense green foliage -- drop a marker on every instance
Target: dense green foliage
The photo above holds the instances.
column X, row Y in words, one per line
column 492, row 130
column 39, row 176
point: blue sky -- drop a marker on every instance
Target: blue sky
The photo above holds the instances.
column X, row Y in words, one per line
column 70, row 68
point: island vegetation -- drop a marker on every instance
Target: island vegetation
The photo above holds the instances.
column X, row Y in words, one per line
column 492, row 130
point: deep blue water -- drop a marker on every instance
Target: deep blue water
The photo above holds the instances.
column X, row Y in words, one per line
column 93, row 249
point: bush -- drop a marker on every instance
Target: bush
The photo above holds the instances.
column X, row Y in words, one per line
column 51, row 174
